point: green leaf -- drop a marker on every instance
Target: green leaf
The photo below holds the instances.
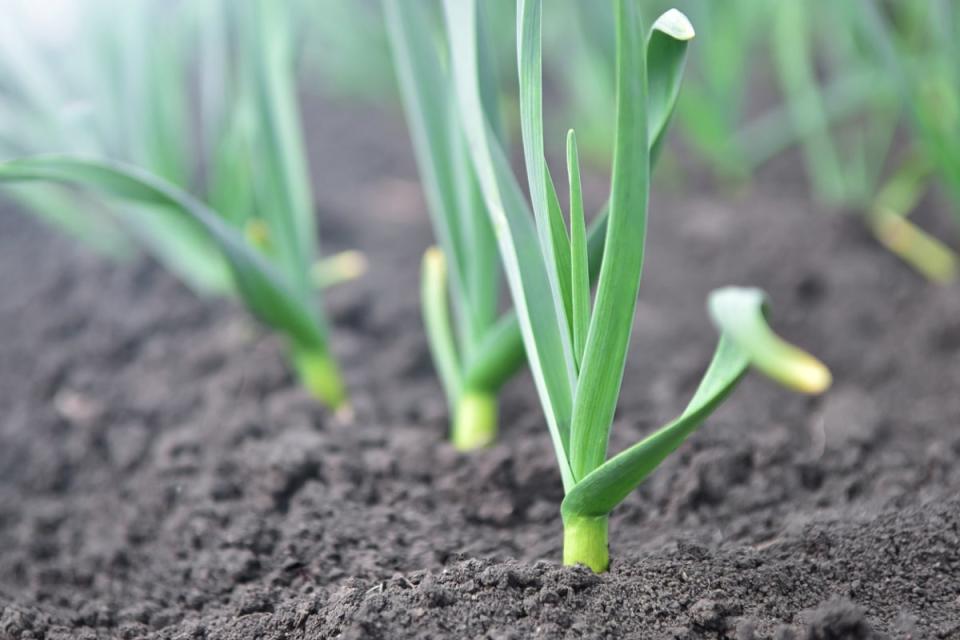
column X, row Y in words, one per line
column 549, row 218
column 167, row 107
column 579, row 261
column 425, row 93
column 455, row 203
column 610, row 326
column 436, row 320
column 744, row 341
column 481, row 261
column 606, row 486
column 497, row 357
column 264, row 291
column 287, row 203
column 527, row 273
column 507, row 330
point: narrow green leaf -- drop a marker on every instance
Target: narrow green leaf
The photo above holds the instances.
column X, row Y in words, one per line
column 287, row 199
column 167, row 105
column 265, row 292
column 183, row 249
column 232, row 174
column 579, row 267
column 436, row 320
column 508, row 328
column 546, row 209
column 744, row 341
column 922, row 251
column 478, row 299
column 561, row 248
column 425, row 93
column 527, row 273
column 610, row 326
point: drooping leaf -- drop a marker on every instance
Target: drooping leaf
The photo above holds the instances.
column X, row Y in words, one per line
column 666, row 59
column 739, row 313
column 606, row 486
column 745, row 340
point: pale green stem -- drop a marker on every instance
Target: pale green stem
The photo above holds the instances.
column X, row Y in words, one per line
column 320, row 375
column 475, row 421
column 585, row 542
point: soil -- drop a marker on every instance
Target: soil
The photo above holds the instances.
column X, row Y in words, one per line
column 162, row 476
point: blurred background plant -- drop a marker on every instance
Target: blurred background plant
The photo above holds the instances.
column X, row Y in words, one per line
column 187, row 115
column 167, row 87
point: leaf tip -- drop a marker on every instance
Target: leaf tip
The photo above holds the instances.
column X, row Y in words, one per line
column 675, row 24
column 808, row 375
column 739, row 313
column 434, row 261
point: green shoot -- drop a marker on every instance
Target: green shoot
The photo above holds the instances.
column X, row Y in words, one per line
column 483, row 352
column 462, row 272
column 579, row 401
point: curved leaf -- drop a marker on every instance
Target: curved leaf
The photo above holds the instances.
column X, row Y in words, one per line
column 266, row 294
column 739, row 313
column 666, row 58
column 579, row 260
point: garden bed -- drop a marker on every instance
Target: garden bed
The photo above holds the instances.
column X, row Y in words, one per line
column 162, row 475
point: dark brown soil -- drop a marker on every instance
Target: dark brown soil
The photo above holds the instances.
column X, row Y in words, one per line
column 162, row 476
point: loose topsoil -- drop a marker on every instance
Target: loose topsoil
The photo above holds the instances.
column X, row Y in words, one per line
column 162, row 476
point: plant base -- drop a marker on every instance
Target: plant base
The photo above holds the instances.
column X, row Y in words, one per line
column 475, row 422
column 320, row 375
column 585, row 542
